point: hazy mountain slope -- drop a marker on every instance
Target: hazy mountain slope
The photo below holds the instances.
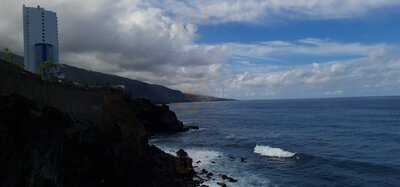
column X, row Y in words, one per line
column 136, row 89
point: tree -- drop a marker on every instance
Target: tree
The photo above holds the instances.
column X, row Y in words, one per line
column 8, row 56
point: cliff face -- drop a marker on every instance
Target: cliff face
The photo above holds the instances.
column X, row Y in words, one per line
column 56, row 134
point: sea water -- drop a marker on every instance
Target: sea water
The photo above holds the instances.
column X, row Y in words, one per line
column 305, row 142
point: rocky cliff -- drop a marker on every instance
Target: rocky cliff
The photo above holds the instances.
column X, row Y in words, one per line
column 60, row 134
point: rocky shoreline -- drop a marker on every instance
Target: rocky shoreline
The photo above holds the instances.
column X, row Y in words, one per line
column 57, row 134
column 53, row 133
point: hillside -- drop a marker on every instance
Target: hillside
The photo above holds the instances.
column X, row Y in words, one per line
column 136, row 89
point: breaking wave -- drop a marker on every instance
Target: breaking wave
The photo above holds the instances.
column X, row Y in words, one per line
column 272, row 152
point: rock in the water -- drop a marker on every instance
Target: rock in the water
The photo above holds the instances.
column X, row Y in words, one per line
column 184, row 163
column 191, row 127
column 221, row 184
column 204, row 171
column 229, row 179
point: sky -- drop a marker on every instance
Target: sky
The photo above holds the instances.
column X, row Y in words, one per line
column 242, row 49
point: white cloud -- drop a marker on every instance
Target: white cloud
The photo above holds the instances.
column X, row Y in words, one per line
column 211, row 11
column 270, row 50
column 371, row 75
column 131, row 38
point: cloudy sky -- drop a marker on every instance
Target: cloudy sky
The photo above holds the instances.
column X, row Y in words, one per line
column 244, row 49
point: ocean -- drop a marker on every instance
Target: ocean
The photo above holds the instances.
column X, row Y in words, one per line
column 299, row 142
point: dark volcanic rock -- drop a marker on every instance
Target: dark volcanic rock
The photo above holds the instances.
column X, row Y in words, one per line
column 184, row 165
column 229, row 179
column 31, row 141
column 41, row 146
column 53, row 133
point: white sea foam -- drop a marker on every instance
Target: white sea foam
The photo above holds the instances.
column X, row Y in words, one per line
column 205, row 156
column 272, row 152
column 218, row 163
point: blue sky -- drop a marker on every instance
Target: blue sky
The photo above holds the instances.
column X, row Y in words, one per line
column 243, row 49
column 374, row 27
column 379, row 26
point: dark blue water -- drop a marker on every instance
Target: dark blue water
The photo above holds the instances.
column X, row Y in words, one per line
column 338, row 142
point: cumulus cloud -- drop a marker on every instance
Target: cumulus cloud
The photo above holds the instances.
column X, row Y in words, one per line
column 376, row 72
column 130, row 38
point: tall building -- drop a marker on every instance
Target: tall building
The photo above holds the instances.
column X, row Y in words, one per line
column 40, row 37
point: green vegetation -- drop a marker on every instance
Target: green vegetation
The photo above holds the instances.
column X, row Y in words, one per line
column 8, row 56
column 46, row 68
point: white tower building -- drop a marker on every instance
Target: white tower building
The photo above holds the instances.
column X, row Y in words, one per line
column 40, row 37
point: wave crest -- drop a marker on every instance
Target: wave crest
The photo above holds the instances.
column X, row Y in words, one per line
column 272, row 152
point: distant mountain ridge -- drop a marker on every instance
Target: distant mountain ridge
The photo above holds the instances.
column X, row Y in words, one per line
column 135, row 89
